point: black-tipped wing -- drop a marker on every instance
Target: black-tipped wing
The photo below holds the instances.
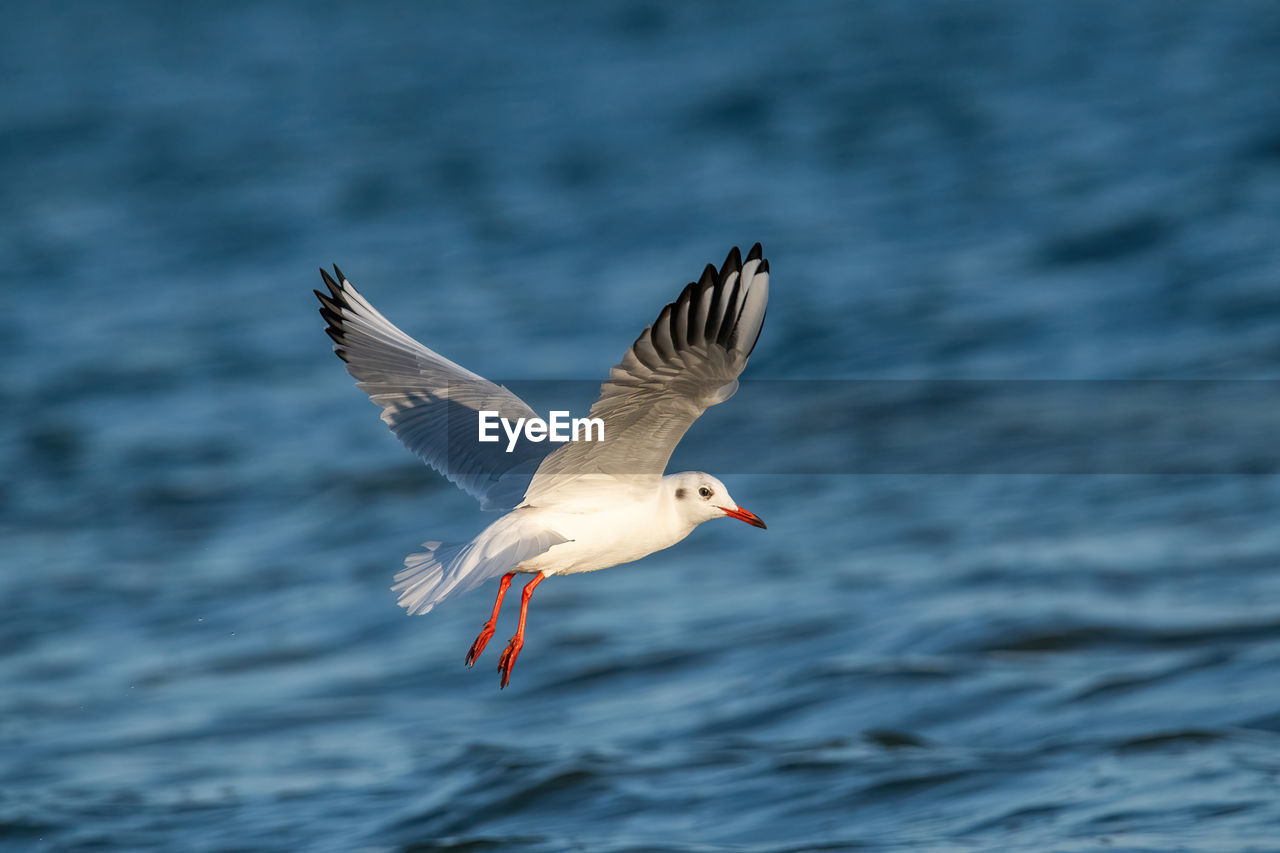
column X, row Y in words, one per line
column 429, row 402
column 688, row 360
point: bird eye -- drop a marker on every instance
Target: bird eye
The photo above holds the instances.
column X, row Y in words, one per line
column 705, row 492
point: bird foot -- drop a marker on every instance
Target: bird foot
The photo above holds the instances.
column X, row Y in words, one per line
column 508, row 659
column 481, row 641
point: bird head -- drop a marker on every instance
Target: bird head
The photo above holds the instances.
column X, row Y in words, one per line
column 699, row 497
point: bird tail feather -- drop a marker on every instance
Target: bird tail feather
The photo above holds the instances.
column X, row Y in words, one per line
column 445, row 569
column 418, row 582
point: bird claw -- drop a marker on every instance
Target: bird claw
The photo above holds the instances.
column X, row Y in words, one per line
column 508, row 660
column 481, row 641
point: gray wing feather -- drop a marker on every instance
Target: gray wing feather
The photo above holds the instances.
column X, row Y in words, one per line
column 687, row 361
column 429, row 402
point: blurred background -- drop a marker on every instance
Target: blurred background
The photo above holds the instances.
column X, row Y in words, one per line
column 201, row 517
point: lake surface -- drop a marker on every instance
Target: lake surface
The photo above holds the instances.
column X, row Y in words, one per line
column 989, row 614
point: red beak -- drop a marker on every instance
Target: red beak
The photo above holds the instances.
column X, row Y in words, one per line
column 744, row 515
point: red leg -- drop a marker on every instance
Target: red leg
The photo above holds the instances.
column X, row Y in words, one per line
column 487, row 631
column 512, row 651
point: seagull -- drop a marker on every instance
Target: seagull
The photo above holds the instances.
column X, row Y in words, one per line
column 580, row 506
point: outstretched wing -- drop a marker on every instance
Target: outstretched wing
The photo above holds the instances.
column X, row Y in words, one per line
column 688, row 360
column 430, row 403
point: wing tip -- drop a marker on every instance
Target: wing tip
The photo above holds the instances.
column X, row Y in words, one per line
column 332, row 306
column 720, row 295
column 732, row 262
column 334, row 289
column 709, row 276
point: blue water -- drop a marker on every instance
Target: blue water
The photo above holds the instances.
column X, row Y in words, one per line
column 200, row 516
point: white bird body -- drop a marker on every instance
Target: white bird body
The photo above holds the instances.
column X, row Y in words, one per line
column 595, row 538
column 604, row 533
column 604, row 537
column 584, row 506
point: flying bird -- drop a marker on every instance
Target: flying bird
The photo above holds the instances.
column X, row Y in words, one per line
column 582, row 505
